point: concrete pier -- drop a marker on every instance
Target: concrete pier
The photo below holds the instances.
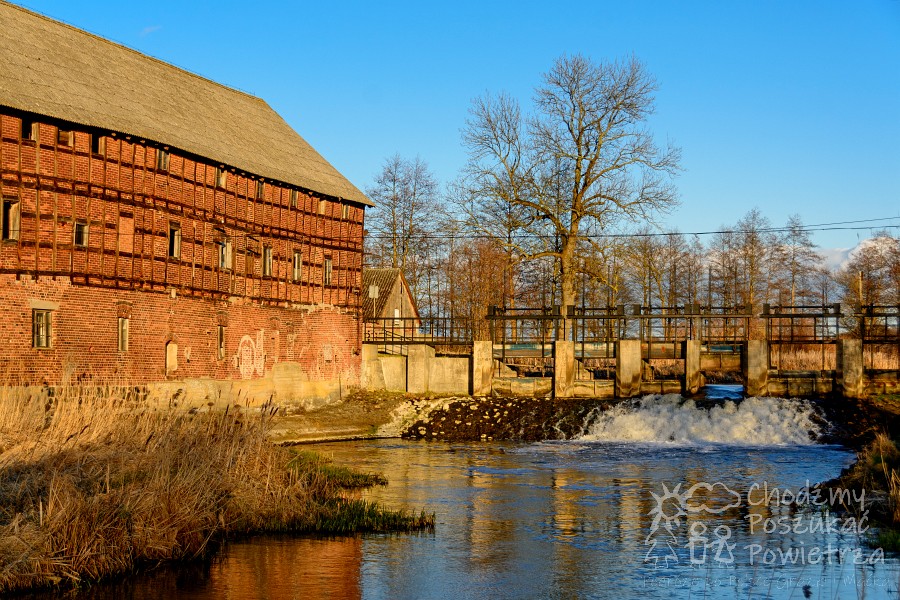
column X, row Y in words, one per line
column 482, row 368
column 563, row 369
column 628, row 368
column 693, row 380
column 850, row 368
column 755, row 365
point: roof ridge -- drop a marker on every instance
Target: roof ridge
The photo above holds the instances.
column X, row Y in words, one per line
column 143, row 55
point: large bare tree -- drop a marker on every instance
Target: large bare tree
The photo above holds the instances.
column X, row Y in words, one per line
column 550, row 184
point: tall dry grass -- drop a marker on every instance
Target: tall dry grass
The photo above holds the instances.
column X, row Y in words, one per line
column 94, row 484
column 814, row 358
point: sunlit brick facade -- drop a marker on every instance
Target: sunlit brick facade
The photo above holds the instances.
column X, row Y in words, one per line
column 130, row 260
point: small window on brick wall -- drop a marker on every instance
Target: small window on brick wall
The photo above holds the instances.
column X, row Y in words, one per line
column 41, row 328
column 65, row 137
column 293, row 198
column 80, row 234
column 327, row 271
column 98, row 144
column 174, row 240
column 225, row 254
column 345, row 211
column 297, row 273
column 10, row 219
column 30, row 129
column 220, row 341
column 260, row 189
column 162, row 160
column 267, row 261
column 123, row 334
column 220, row 177
column 321, row 207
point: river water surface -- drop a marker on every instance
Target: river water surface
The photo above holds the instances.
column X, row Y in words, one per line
column 653, row 507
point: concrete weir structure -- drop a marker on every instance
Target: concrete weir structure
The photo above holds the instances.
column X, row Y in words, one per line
column 624, row 352
column 421, row 371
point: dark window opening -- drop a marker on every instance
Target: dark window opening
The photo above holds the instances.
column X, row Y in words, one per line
column 81, row 234
column 98, row 144
column 220, row 342
column 65, row 138
column 29, row 129
column 162, row 159
column 10, row 219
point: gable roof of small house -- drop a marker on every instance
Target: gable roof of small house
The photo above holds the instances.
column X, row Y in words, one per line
column 384, row 279
column 53, row 69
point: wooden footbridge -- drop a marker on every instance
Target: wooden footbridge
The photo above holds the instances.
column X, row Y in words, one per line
column 626, row 351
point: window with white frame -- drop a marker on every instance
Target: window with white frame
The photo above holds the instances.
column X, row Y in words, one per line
column 41, row 328
column 224, row 253
column 297, row 271
column 174, row 240
column 123, row 334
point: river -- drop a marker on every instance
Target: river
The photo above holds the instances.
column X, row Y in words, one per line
column 660, row 500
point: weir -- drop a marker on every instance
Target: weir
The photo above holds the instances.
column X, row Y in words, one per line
column 626, row 352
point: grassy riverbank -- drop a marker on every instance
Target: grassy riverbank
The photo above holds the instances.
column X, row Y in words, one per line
column 95, row 485
column 877, row 470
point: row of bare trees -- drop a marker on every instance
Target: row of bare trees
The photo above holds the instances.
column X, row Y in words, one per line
column 560, row 204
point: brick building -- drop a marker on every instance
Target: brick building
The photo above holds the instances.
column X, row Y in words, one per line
column 159, row 228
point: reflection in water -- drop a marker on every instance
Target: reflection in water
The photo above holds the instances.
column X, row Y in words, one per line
column 274, row 568
column 550, row 520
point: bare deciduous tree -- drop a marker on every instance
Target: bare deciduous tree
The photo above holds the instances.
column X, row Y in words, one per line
column 406, row 214
column 579, row 166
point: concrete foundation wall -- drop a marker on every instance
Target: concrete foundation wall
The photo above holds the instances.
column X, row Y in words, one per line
column 448, row 375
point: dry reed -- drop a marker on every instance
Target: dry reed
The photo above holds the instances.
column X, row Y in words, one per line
column 94, row 484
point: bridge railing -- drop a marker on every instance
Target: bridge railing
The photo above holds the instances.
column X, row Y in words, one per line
column 450, row 334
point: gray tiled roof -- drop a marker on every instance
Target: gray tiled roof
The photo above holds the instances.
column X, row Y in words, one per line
column 53, row 69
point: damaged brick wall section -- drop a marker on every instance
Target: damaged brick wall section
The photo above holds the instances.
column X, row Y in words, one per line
column 84, row 337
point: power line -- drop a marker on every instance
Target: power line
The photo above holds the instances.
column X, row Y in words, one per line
column 835, row 226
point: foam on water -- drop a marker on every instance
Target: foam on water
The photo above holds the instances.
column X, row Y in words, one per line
column 672, row 419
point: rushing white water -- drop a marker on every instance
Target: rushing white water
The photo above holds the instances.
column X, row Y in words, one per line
column 672, row 419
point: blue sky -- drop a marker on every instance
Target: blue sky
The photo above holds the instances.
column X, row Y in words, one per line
column 793, row 107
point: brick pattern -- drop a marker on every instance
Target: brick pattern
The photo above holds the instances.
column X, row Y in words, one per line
column 129, row 207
